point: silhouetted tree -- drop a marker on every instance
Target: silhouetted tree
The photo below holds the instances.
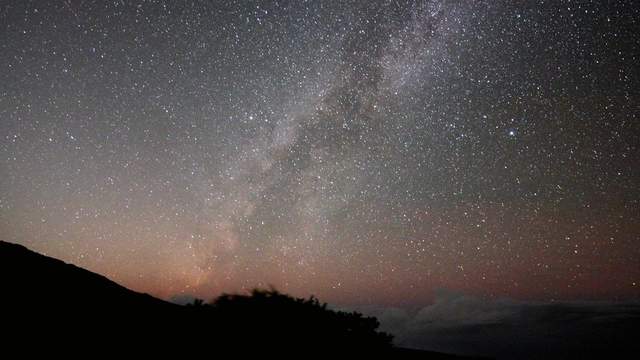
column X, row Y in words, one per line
column 197, row 303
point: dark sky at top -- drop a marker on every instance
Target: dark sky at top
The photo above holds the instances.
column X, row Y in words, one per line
column 366, row 152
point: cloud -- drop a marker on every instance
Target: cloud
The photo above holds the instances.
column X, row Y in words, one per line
column 509, row 329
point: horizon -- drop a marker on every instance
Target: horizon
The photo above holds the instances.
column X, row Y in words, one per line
column 372, row 154
column 455, row 323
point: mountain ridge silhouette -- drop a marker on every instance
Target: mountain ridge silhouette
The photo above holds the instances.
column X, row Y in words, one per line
column 49, row 301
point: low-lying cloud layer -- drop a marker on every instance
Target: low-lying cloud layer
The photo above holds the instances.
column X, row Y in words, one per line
column 509, row 329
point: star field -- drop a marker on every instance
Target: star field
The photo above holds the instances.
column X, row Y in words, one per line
column 365, row 152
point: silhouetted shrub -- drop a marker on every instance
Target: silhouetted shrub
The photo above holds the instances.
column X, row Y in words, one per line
column 273, row 319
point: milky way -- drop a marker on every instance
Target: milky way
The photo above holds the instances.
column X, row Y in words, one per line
column 365, row 152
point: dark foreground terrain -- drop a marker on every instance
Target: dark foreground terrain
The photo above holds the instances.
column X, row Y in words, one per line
column 50, row 306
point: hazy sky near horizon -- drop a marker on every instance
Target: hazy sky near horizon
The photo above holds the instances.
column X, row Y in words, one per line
column 365, row 152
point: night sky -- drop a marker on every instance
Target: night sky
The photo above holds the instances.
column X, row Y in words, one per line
column 364, row 152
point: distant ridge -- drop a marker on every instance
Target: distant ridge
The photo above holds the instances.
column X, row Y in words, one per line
column 43, row 281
